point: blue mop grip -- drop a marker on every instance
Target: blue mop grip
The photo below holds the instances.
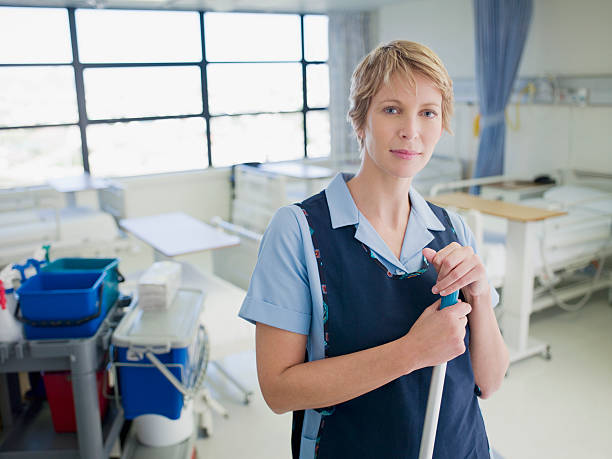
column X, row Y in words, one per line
column 449, row 300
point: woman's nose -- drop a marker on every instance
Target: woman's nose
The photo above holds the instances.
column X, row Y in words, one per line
column 408, row 129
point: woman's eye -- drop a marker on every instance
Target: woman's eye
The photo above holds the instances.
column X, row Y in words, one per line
column 430, row 114
column 391, row 110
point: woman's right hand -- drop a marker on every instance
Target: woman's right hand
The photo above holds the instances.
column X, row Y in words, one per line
column 438, row 334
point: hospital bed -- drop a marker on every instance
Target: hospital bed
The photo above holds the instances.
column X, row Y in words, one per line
column 542, row 251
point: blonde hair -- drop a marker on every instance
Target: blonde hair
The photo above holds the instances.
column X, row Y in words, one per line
column 403, row 57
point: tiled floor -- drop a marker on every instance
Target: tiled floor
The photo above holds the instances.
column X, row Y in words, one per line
column 560, row 408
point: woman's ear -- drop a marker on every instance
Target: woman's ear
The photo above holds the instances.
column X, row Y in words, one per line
column 359, row 133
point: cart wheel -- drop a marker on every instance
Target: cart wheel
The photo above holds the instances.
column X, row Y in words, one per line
column 547, row 354
column 203, row 433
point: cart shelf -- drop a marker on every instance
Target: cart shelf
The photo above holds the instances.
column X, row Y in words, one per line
column 31, row 434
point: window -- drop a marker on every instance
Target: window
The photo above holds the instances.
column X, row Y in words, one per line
column 253, row 88
column 126, row 92
column 147, row 147
column 37, row 95
column 112, row 36
column 238, row 37
column 36, row 35
column 142, row 84
column 157, row 91
column 255, row 67
column 262, row 138
column 35, row 99
column 33, row 156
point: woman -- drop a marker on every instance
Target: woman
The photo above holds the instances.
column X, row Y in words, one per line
column 351, row 277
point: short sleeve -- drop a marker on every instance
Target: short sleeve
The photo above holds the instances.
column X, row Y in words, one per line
column 279, row 292
column 466, row 237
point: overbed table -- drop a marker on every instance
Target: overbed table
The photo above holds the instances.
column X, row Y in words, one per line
column 176, row 233
column 519, row 273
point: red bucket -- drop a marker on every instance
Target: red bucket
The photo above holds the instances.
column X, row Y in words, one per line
column 58, row 385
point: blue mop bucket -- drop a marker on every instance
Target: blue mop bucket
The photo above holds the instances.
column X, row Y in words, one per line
column 80, row 265
column 56, row 305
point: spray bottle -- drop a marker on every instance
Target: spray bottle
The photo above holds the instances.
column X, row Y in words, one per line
column 10, row 329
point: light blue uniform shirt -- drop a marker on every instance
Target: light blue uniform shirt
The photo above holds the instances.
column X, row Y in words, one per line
column 285, row 290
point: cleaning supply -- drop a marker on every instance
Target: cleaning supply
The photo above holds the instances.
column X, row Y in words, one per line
column 59, row 305
column 110, row 266
column 26, row 270
column 158, row 285
column 158, row 431
column 435, row 396
column 33, row 265
column 10, row 329
column 58, row 388
column 161, row 356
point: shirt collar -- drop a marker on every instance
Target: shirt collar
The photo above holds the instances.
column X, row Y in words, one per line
column 344, row 212
column 421, row 210
column 342, row 208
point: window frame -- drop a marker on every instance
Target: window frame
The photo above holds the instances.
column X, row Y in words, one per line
column 79, row 67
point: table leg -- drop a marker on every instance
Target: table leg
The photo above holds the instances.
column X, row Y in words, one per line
column 518, row 291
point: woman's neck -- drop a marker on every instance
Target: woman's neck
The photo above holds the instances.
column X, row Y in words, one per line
column 381, row 197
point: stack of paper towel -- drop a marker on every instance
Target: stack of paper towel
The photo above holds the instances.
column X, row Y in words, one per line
column 158, row 285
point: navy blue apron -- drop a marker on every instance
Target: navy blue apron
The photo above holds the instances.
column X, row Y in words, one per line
column 365, row 305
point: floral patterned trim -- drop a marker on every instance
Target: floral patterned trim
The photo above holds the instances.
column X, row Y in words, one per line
column 328, row 410
column 390, row 275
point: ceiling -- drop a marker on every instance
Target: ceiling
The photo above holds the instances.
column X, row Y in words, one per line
column 306, row 6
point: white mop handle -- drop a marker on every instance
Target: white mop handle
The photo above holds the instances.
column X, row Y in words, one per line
column 435, row 396
column 433, row 411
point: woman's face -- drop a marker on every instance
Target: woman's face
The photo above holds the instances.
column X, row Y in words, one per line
column 403, row 125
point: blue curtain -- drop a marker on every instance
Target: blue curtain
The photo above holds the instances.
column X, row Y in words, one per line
column 501, row 31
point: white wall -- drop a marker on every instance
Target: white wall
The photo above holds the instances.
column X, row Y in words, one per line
column 565, row 38
column 201, row 194
column 569, row 37
column 446, row 26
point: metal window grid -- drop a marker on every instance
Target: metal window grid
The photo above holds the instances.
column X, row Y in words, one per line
column 84, row 121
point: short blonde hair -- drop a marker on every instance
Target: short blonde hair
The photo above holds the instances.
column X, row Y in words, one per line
column 406, row 58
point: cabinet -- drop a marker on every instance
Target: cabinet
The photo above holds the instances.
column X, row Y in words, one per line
column 260, row 191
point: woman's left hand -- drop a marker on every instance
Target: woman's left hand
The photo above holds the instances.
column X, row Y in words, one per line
column 458, row 267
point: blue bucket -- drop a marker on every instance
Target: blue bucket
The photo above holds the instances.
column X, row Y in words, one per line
column 74, row 265
column 56, row 305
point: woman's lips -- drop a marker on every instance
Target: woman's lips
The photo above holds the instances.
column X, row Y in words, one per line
column 406, row 154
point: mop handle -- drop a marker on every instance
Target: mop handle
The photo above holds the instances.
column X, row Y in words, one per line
column 435, row 396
